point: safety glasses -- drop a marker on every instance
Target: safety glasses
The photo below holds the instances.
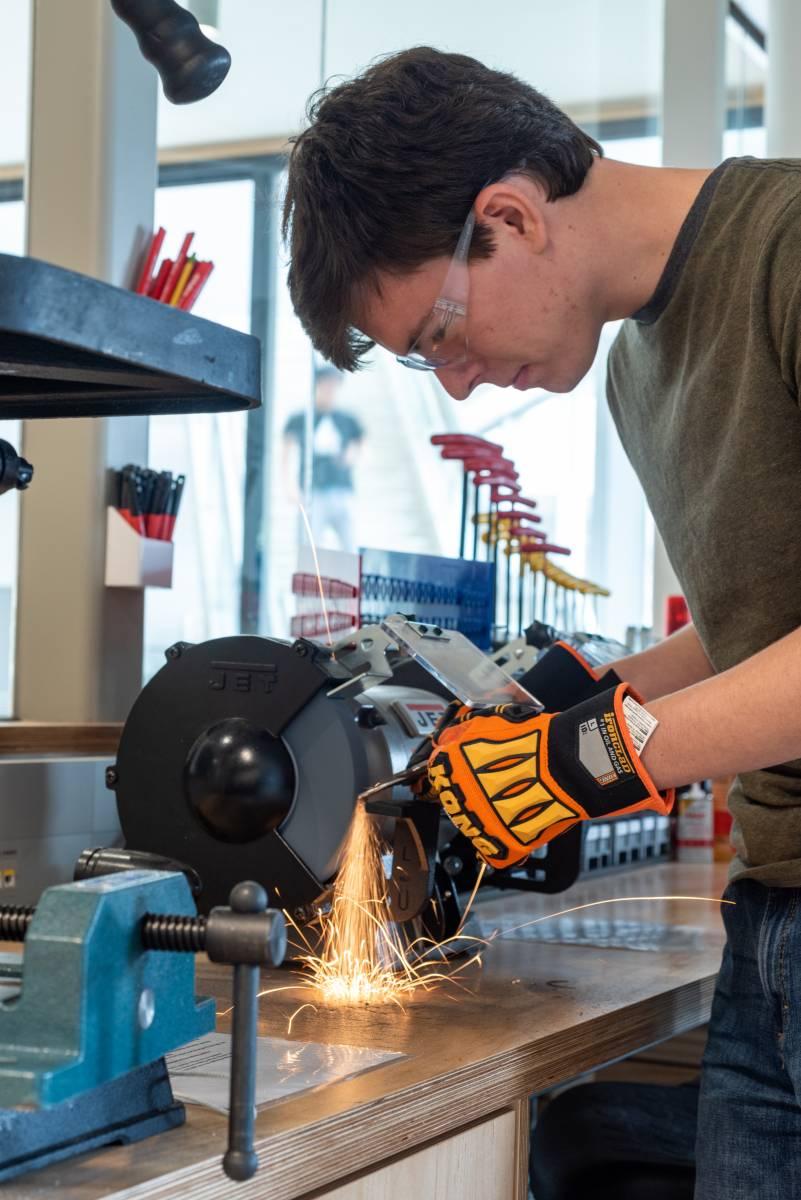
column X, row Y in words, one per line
column 442, row 341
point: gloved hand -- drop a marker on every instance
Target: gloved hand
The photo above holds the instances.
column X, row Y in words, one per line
column 511, row 781
column 561, row 677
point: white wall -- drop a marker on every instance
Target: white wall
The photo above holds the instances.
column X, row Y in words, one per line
column 15, row 24
column 575, row 51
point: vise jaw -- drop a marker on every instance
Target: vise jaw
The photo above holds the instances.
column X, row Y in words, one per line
column 94, row 1002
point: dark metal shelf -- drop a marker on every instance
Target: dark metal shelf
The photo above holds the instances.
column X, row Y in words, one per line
column 71, row 346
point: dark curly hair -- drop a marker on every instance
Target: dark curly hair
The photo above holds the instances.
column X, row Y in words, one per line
column 384, row 176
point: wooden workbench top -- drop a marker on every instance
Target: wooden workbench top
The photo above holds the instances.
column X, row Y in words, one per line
column 534, row 1015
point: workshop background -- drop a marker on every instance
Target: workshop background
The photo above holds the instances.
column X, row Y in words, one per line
column 674, row 82
column 634, row 73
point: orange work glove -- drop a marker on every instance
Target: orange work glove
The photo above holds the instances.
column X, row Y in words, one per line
column 511, row 781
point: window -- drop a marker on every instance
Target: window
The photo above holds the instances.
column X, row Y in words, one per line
column 209, row 449
column 15, row 21
column 746, row 72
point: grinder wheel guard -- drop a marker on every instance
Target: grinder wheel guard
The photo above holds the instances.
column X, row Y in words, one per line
column 235, row 761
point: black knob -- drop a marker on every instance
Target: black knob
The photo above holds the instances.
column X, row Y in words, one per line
column 15, row 471
column 239, row 780
column 248, row 897
column 190, row 65
column 176, row 650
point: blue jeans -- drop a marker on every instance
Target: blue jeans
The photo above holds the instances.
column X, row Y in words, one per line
column 749, row 1113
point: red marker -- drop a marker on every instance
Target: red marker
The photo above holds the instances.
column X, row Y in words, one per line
column 156, row 242
column 197, row 281
column 154, row 291
column 175, row 270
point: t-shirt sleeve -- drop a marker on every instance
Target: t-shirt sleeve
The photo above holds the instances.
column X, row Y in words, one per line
column 351, row 429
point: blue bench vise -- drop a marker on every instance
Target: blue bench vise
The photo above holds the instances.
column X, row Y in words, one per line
column 106, row 987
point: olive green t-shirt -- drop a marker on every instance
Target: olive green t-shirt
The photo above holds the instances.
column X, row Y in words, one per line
column 703, row 385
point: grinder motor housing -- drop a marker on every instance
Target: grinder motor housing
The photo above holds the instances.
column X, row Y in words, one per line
column 243, row 758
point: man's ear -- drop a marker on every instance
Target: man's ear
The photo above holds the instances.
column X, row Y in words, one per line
column 512, row 210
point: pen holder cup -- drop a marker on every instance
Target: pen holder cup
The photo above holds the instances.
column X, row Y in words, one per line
column 135, row 561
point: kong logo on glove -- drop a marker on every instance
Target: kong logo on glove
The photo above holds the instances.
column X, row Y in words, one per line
column 452, row 800
column 513, row 797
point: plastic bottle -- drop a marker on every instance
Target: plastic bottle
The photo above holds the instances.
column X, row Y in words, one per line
column 695, row 826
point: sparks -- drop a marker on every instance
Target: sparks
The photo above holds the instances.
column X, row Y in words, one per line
column 364, row 957
column 319, row 576
column 563, row 912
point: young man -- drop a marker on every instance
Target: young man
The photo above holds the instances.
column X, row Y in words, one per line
column 456, row 217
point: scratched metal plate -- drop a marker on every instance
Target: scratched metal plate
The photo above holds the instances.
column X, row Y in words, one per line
column 606, row 933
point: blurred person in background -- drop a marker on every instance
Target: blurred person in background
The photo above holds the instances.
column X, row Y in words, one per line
column 337, row 438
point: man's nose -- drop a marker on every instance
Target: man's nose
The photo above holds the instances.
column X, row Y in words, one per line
column 458, row 381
